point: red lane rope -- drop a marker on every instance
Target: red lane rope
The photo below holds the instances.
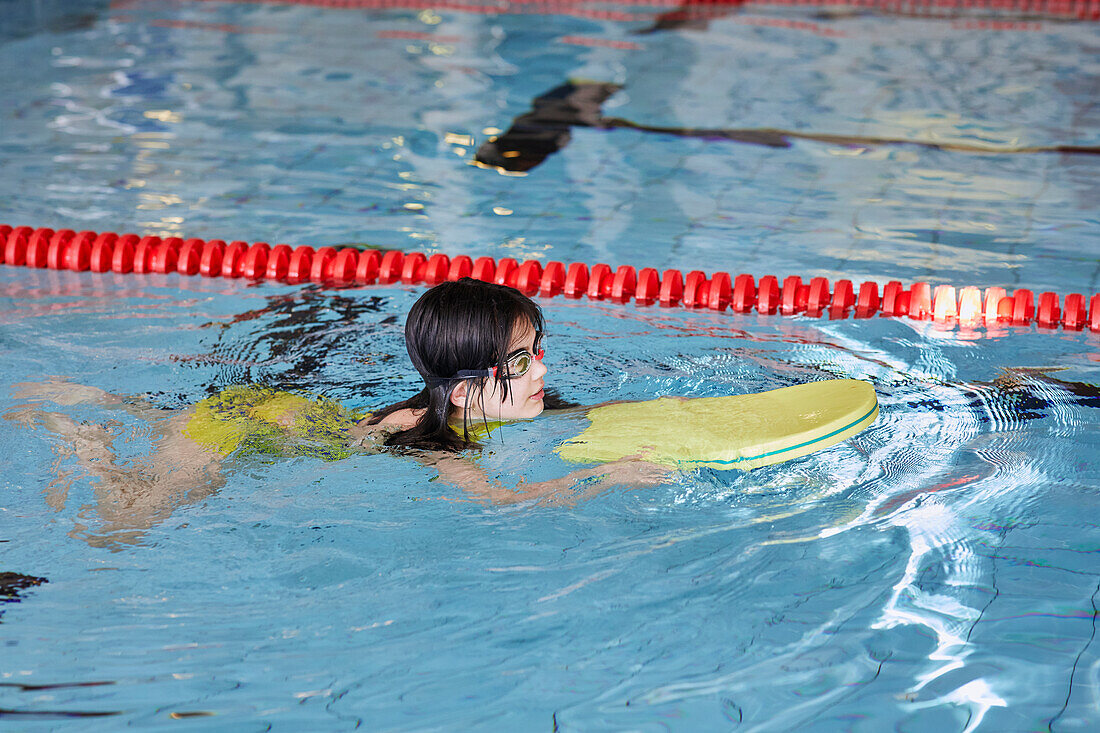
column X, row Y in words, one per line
column 65, row 249
column 698, row 9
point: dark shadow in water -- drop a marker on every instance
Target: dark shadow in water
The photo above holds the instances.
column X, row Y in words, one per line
column 690, row 16
column 1031, row 393
column 1019, row 394
column 23, row 19
column 55, row 714
column 12, row 584
column 536, row 135
column 56, row 686
column 286, row 343
column 695, row 15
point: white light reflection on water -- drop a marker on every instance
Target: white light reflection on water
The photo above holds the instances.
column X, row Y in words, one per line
column 932, row 527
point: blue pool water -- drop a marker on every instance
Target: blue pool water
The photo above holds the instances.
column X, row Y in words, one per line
column 936, row 572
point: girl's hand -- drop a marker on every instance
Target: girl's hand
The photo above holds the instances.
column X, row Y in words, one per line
column 633, row 471
column 63, row 392
column 585, row 483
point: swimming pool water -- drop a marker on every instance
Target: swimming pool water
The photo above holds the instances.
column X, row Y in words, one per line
column 937, row 572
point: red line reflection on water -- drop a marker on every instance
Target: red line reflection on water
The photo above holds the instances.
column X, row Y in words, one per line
column 900, row 499
column 600, row 43
column 198, row 25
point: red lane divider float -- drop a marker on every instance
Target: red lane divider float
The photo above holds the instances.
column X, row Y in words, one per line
column 628, row 10
column 967, row 307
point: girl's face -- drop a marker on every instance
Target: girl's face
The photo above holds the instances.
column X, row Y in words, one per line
column 525, row 392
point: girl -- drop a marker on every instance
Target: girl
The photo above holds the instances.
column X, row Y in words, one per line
column 477, row 347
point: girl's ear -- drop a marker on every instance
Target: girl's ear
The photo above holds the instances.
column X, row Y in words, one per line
column 458, row 394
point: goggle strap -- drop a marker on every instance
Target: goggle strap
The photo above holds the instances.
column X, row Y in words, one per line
column 492, row 372
column 471, row 373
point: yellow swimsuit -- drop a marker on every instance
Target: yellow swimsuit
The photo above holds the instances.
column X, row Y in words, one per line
column 262, row 420
column 271, row 421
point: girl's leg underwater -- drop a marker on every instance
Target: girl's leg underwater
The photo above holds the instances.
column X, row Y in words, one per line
column 132, row 495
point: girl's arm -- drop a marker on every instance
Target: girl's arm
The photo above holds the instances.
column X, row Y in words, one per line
column 580, row 484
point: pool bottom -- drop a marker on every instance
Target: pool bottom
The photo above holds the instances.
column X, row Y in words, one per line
column 934, row 571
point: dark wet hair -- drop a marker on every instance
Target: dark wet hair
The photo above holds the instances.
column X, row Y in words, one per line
column 457, row 326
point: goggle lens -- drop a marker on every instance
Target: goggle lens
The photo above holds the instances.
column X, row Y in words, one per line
column 520, row 364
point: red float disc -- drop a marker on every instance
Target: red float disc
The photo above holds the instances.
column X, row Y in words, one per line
column 552, row 280
column 165, row 256
column 599, row 281
column 1048, row 313
column 15, row 247
column 505, row 274
column 210, row 265
column 970, row 306
column 992, row 304
column 767, row 296
column 1074, row 316
column 695, row 284
column 122, row 257
column 649, row 286
column 484, row 269
column 412, row 269
column 300, row 261
column 343, row 267
column 744, row 293
column 843, row 299
column 233, row 259
column 576, row 280
column 528, row 276
column 59, row 243
column 102, row 251
column 366, row 271
column 278, row 262
column 890, row 295
column 903, row 302
column 817, row 298
column 867, row 303
column 920, row 301
column 789, row 302
column 320, row 270
column 1023, row 307
column 37, row 247
column 254, row 262
column 143, row 254
column 190, row 257
column 672, row 288
column 164, row 259
column 436, row 270
column 461, row 267
column 389, row 270
column 78, row 255
column 623, row 284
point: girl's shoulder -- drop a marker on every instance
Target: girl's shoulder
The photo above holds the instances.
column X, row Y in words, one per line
column 400, row 420
column 365, row 435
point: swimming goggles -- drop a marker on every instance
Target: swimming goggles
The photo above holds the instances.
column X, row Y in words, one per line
column 517, row 364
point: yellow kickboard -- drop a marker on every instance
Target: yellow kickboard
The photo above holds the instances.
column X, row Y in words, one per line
column 742, row 431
